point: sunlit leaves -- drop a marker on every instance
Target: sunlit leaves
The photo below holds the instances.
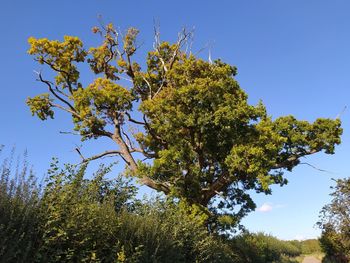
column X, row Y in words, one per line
column 334, row 223
column 41, row 106
column 99, row 104
column 60, row 56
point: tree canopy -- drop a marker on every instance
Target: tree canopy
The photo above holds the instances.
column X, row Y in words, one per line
column 188, row 118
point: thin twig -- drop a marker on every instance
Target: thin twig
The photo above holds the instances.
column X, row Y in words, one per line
column 318, row 169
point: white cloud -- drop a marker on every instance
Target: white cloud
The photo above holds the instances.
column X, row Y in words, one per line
column 266, row 207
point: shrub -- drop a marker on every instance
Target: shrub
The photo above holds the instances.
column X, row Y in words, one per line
column 80, row 219
column 19, row 211
column 74, row 219
column 262, row 248
column 335, row 224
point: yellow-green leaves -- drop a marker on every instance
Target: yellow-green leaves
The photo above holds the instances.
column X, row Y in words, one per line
column 99, row 103
column 60, row 56
column 130, row 41
column 40, row 106
column 99, row 62
column 102, row 97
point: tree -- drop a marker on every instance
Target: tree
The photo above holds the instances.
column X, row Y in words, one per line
column 335, row 223
column 190, row 121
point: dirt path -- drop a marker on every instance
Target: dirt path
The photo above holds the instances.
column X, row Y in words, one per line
column 311, row 259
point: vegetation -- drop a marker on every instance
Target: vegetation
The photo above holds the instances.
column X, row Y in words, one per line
column 200, row 140
column 74, row 219
column 335, row 224
column 19, row 209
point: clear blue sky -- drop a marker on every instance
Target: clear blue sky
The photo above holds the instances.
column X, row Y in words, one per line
column 294, row 55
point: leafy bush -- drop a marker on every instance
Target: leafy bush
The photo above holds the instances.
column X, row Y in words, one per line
column 80, row 221
column 96, row 220
column 19, row 211
column 164, row 232
column 335, row 224
column 310, row 246
column 74, row 219
column 263, row 248
column 100, row 221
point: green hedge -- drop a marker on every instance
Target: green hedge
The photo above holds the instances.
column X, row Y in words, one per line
column 74, row 219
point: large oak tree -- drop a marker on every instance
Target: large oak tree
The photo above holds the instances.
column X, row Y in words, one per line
column 200, row 139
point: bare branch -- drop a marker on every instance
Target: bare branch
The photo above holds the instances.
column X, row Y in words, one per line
column 127, row 79
column 72, row 133
column 341, row 113
column 147, row 154
column 156, row 29
column 133, row 120
column 129, row 142
column 160, row 88
column 316, row 168
column 130, row 72
column 49, row 85
column 98, row 156
column 149, row 86
column 182, row 38
column 65, row 109
column 78, row 151
column 65, row 74
column 156, row 46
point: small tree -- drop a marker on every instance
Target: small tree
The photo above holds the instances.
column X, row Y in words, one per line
column 206, row 144
column 335, row 223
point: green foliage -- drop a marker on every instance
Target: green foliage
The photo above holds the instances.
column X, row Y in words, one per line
column 310, row 246
column 19, row 211
column 40, row 105
column 60, row 56
column 100, row 99
column 164, row 232
column 75, row 219
column 206, row 144
column 80, row 216
column 99, row 221
column 262, row 248
column 335, row 224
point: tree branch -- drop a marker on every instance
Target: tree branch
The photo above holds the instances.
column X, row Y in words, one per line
column 316, row 168
column 182, row 38
column 97, row 156
column 133, row 120
column 48, row 83
column 63, row 72
column 292, row 159
column 65, row 109
column 125, row 153
column 217, row 186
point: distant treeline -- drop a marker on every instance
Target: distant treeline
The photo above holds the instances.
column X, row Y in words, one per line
column 73, row 219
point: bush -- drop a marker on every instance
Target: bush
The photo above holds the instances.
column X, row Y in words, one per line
column 100, row 221
column 335, row 224
column 310, row 246
column 19, row 211
column 74, row 219
column 164, row 232
column 80, row 216
column 262, row 248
